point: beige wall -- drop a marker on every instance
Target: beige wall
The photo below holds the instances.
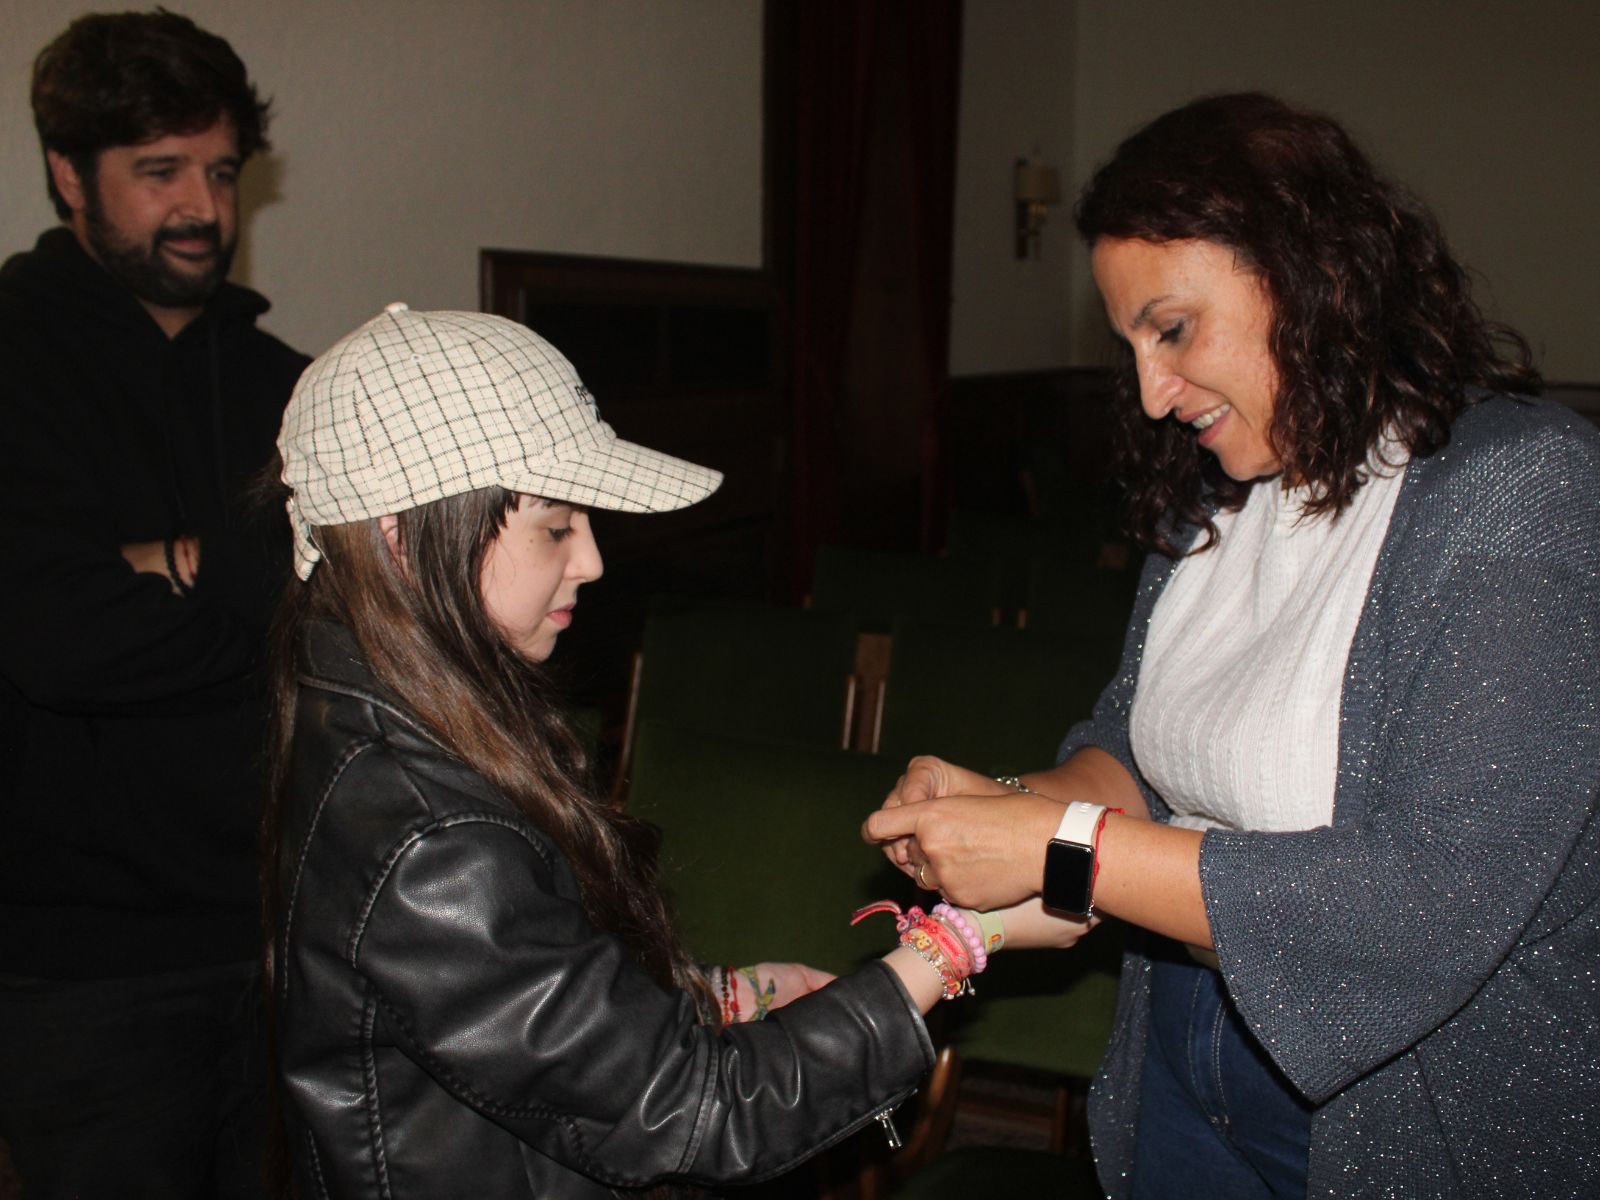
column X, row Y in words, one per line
column 1011, row 314
column 410, row 133
column 1490, row 111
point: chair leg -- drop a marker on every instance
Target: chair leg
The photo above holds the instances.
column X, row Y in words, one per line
column 872, row 667
column 619, row 789
column 1061, row 1120
column 926, row 1139
column 1069, row 1130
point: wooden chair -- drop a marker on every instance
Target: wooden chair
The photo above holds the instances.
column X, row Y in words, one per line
column 1020, row 1055
column 1043, row 1018
column 877, row 587
column 783, row 674
column 1061, row 1168
column 925, row 1135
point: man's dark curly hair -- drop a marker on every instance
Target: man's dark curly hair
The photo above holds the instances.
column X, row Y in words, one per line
column 121, row 79
column 1374, row 326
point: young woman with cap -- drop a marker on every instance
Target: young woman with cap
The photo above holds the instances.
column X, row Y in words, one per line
column 476, row 983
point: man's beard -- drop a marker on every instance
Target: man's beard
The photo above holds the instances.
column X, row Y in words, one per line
column 143, row 270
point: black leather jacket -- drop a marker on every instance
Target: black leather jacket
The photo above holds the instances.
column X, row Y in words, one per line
column 451, row 1024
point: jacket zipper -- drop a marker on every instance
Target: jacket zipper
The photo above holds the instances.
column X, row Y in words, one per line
column 890, row 1133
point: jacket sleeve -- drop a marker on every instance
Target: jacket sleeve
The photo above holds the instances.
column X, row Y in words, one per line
column 80, row 630
column 545, row 1025
column 1345, row 946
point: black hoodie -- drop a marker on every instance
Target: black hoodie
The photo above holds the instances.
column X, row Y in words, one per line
column 131, row 719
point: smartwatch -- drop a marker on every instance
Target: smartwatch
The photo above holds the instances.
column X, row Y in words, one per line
column 1069, row 861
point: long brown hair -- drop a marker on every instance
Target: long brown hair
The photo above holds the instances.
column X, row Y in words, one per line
column 1374, row 326
column 424, row 632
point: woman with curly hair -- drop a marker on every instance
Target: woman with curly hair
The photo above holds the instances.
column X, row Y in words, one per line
column 1344, row 781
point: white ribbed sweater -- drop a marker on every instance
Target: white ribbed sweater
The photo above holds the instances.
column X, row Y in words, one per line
column 1235, row 723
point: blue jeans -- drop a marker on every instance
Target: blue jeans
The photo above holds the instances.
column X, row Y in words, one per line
column 1216, row 1116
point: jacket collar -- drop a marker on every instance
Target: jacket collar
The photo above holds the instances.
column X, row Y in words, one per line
column 330, row 659
column 329, row 654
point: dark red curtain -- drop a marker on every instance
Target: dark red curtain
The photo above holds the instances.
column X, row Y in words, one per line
column 934, row 73
column 867, row 92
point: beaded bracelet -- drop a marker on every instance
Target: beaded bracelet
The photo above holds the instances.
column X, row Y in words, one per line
column 729, row 996
column 936, row 941
column 974, row 940
column 178, row 584
column 919, row 938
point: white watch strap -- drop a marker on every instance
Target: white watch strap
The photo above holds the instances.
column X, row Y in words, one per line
column 1079, row 821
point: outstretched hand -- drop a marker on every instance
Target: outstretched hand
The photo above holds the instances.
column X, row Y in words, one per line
column 769, row 985
column 1031, row 926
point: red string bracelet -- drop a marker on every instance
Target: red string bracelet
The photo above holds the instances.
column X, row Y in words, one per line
column 1098, row 827
column 938, row 944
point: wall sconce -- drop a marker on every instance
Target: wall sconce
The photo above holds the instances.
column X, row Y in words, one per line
column 1038, row 190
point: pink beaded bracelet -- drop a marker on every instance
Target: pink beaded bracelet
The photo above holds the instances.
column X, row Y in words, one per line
column 954, row 917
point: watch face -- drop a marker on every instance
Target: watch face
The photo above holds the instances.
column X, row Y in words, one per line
column 1068, row 876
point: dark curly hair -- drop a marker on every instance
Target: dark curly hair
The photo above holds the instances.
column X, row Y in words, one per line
column 1374, row 326
column 120, row 79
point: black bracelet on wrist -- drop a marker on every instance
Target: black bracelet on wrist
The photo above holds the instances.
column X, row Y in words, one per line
column 172, row 568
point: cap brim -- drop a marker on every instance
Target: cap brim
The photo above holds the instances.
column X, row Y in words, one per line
column 622, row 477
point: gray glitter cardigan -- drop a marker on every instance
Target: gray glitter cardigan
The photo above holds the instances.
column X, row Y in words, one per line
column 1427, row 969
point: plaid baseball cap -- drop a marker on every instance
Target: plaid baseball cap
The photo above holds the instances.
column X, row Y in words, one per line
column 416, row 406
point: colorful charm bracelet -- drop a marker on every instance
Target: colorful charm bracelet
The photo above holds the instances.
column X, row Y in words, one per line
column 954, row 952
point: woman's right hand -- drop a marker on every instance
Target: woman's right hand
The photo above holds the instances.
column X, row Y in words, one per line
column 928, row 778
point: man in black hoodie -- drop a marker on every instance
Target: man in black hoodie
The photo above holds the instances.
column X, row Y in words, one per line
column 138, row 405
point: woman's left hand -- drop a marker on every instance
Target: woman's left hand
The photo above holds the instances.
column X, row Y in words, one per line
column 928, row 778
column 981, row 851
